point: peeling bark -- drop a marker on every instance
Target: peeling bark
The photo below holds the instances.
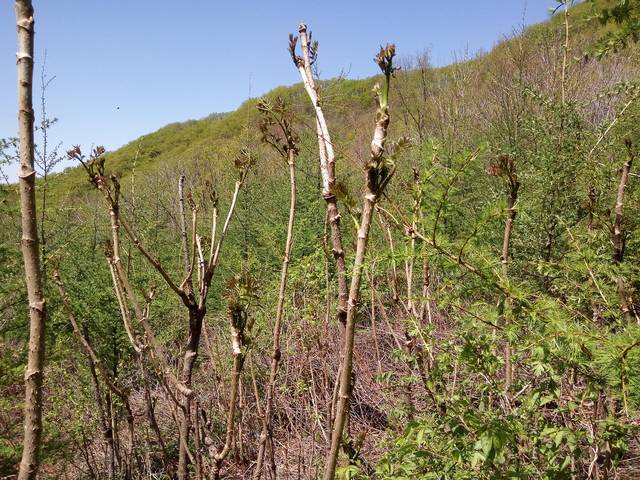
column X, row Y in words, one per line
column 327, row 164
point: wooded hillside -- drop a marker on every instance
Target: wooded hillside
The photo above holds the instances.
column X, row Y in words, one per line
column 472, row 230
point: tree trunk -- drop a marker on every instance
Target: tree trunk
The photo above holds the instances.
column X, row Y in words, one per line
column 376, row 178
column 504, row 260
column 327, row 166
column 504, row 167
column 347, row 355
column 238, row 363
column 30, row 250
column 275, row 357
column 195, row 329
column 618, row 236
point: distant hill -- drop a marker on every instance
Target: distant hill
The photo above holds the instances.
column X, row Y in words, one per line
column 347, row 102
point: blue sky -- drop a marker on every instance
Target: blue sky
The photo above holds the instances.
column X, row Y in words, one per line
column 124, row 68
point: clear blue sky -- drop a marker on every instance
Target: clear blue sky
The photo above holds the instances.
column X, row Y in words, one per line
column 164, row 61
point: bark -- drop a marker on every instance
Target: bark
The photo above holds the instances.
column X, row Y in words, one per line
column 30, row 461
column 198, row 446
column 195, row 329
column 347, row 362
column 327, row 165
column 238, row 364
column 275, row 356
column 376, row 179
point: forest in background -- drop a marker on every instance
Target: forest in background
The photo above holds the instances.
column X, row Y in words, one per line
column 492, row 304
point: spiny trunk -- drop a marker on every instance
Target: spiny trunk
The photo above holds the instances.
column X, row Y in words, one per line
column 504, row 167
column 197, row 444
column 219, row 457
column 183, row 455
column 344, row 392
column 195, row 329
column 618, row 239
column 327, row 168
column 506, row 241
column 275, row 357
column 376, row 178
column 30, row 251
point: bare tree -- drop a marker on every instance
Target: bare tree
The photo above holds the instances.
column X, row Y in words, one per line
column 618, row 234
column 197, row 306
column 46, row 159
column 504, row 167
column 327, row 159
column 378, row 172
column 240, row 293
column 285, row 143
column 194, row 301
column 30, row 250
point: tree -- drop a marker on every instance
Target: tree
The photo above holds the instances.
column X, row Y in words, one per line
column 378, row 172
column 46, row 159
column 327, row 158
column 30, row 250
column 625, row 14
column 284, row 141
column 619, row 236
column 194, row 300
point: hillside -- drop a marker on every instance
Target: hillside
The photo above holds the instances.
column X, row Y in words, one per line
column 496, row 324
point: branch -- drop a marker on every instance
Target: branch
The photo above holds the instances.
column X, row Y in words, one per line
column 183, row 229
column 213, row 259
column 154, row 262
